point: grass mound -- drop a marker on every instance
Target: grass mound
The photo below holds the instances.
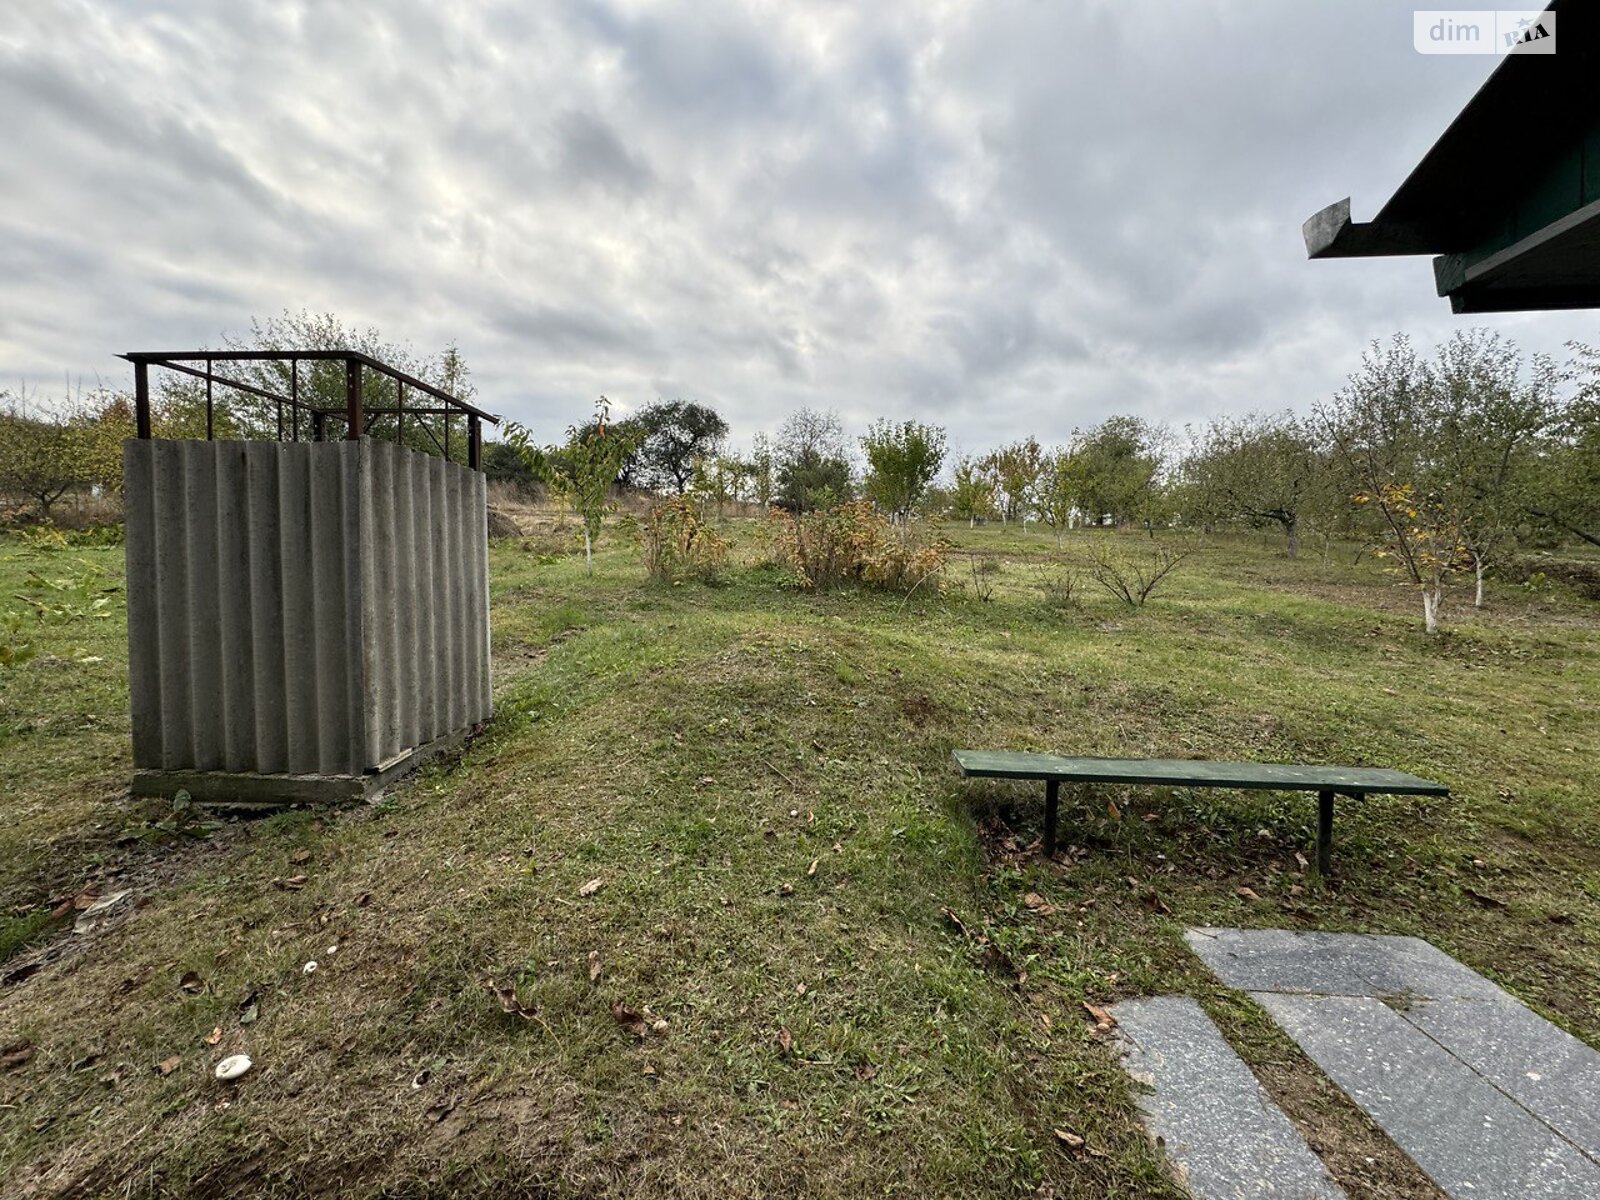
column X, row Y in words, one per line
column 705, row 912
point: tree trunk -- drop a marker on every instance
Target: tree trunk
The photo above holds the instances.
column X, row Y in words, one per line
column 972, row 521
column 588, row 552
column 1478, row 570
column 1291, row 531
column 1431, row 595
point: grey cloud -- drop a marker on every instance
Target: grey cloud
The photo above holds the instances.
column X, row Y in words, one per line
column 591, row 152
column 571, row 330
column 1011, row 217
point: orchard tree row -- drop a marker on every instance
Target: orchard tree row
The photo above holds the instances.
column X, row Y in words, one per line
column 1445, row 462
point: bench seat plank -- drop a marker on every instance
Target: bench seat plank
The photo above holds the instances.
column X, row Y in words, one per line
column 1182, row 772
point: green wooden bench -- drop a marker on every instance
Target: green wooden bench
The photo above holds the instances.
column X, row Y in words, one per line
column 1327, row 782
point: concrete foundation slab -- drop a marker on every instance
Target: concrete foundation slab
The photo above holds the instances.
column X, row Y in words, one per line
column 1225, row 1138
column 246, row 789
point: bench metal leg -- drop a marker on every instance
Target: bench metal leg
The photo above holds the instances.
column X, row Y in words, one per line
column 1324, row 832
column 1052, row 794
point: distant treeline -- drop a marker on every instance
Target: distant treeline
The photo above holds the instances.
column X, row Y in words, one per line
column 1475, row 442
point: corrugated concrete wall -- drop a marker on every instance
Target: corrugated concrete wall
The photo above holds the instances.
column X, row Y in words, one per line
column 301, row 608
column 425, row 598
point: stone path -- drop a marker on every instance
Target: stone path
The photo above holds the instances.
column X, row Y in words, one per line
column 1224, row 1137
column 1485, row 1096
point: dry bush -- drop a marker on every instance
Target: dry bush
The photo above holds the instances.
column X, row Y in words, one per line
column 1132, row 575
column 677, row 543
column 851, row 543
column 509, row 494
column 1057, row 585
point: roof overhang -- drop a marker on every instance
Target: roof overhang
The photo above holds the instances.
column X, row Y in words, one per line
column 1508, row 199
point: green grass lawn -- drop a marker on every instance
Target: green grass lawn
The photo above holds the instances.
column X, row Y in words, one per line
column 759, row 780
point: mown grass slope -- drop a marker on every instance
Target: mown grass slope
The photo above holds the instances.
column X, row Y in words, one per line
column 869, row 981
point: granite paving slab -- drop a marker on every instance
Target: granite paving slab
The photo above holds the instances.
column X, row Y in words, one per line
column 1485, row 1095
column 1471, row 1138
column 1223, row 1135
column 1540, row 1066
column 1336, row 964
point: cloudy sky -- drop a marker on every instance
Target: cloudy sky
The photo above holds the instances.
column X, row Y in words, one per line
column 1006, row 217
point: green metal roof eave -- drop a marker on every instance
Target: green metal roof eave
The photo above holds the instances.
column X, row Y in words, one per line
column 1526, row 107
column 1332, row 234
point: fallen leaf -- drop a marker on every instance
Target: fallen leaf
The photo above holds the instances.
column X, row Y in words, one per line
column 594, row 966
column 1113, row 811
column 1305, row 863
column 168, row 1065
column 630, row 1020
column 1037, row 903
column 647, row 1069
column 15, row 1054
column 812, row 869
column 1103, row 1020
column 85, row 899
column 293, row 884
column 192, row 983
column 785, row 1040
column 363, row 900
column 1484, row 899
column 212, row 1038
column 785, row 889
column 90, row 917
column 950, row 915
column 838, row 847
column 300, row 856
column 1245, row 893
column 593, row 886
column 508, row 999
column 248, row 1016
column 1069, row 1138
column 1296, row 890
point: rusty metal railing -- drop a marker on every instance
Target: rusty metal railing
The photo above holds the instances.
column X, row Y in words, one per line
column 357, row 416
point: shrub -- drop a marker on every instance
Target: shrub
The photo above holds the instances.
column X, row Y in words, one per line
column 851, row 543
column 677, row 544
column 1132, row 575
column 1058, row 585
